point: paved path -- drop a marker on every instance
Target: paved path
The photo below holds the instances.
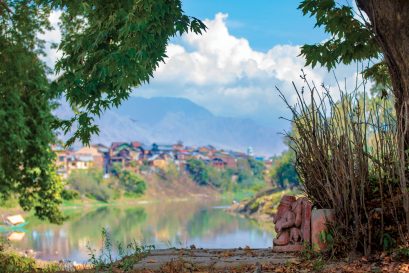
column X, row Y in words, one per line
column 214, row 258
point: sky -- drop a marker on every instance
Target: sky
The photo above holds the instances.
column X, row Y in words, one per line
column 250, row 48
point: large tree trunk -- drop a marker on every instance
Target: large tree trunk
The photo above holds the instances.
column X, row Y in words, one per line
column 390, row 22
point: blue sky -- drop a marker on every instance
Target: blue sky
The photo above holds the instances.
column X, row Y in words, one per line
column 263, row 22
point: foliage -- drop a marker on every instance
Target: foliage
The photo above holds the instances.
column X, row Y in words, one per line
column 351, row 39
column 90, row 183
column 26, row 158
column 347, row 159
column 107, row 49
column 9, row 202
column 257, row 167
column 198, row 170
column 240, row 182
column 11, row 261
column 68, row 195
column 127, row 256
column 132, row 182
column 283, row 172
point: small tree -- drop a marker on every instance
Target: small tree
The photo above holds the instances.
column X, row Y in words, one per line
column 198, row 170
column 283, row 172
column 132, row 182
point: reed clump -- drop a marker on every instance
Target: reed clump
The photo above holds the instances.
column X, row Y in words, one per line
column 348, row 159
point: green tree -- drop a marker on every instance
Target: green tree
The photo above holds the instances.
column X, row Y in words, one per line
column 283, row 172
column 257, row 167
column 132, row 182
column 198, row 170
column 26, row 159
column 108, row 48
column 90, row 183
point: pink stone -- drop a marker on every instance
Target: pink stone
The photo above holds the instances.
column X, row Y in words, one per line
column 292, row 224
column 320, row 218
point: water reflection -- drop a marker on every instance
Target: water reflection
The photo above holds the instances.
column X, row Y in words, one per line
column 167, row 224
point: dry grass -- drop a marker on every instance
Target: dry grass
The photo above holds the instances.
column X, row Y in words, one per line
column 348, row 159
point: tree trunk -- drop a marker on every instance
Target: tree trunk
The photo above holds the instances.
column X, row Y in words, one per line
column 390, row 23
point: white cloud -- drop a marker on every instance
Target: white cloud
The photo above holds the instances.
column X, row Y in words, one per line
column 223, row 73
column 52, row 36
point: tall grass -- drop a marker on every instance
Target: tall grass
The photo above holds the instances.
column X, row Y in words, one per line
column 348, row 159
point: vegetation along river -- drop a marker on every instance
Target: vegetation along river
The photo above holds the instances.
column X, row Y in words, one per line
column 164, row 225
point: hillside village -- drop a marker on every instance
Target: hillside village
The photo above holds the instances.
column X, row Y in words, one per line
column 131, row 156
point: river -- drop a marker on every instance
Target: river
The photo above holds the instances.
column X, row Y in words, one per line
column 162, row 224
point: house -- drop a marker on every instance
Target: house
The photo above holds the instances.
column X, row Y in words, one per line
column 125, row 154
column 62, row 160
column 223, row 160
column 230, row 161
column 161, row 148
column 96, row 152
column 81, row 161
column 217, row 162
column 178, row 146
column 160, row 161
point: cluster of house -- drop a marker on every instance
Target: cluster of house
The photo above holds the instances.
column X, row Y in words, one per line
column 134, row 154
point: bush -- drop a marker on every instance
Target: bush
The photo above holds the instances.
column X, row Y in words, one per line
column 91, row 184
column 132, row 182
column 198, row 171
column 348, row 160
column 283, row 172
column 68, row 195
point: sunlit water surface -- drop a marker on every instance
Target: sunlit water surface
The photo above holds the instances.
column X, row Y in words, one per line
column 164, row 225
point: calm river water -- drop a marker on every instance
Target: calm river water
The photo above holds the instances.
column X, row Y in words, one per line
column 164, row 225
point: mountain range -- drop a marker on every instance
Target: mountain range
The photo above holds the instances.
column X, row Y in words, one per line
column 168, row 120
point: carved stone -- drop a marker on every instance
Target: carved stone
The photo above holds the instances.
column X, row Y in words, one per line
column 292, row 224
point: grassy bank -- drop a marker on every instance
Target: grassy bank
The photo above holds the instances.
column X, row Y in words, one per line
column 263, row 204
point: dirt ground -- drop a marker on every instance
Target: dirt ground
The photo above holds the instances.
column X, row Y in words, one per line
column 254, row 261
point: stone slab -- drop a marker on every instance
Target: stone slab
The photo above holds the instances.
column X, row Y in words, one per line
column 288, row 248
column 215, row 258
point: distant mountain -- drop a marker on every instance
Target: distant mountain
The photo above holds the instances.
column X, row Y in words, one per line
column 168, row 120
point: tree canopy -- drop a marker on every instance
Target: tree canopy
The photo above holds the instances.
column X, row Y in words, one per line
column 108, row 48
column 351, row 39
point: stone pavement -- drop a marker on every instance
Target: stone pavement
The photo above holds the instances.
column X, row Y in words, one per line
column 214, row 258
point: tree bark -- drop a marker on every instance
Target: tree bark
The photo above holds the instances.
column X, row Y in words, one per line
column 390, row 22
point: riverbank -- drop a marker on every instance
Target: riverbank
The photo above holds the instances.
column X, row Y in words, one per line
column 262, row 205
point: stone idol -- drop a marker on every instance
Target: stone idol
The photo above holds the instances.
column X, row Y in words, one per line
column 292, row 224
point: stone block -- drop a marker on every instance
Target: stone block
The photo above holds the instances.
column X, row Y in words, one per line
column 288, row 248
column 319, row 221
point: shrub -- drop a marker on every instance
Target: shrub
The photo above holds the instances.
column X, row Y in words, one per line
column 128, row 256
column 132, row 182
column 68, row 195
column 198, row 170
column 283, row 172
column 347, row 158
column 91, row 184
